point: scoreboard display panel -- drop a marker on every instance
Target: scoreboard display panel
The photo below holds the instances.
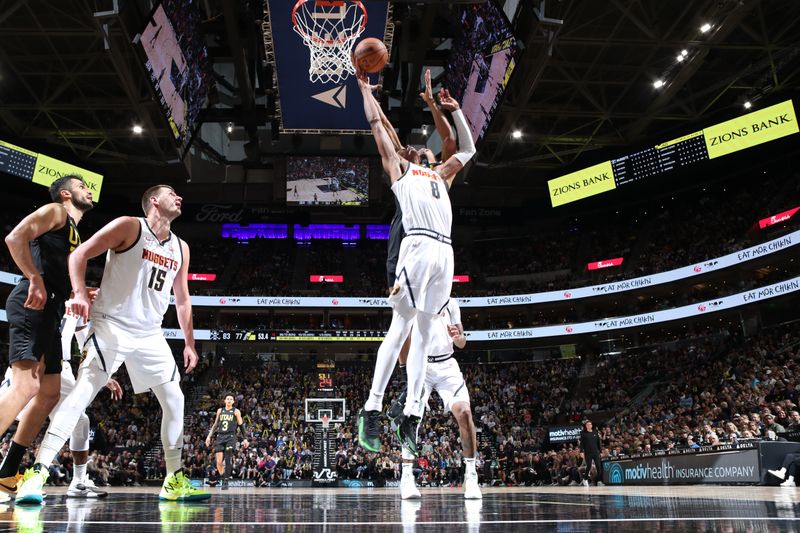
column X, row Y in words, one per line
column 715, row 141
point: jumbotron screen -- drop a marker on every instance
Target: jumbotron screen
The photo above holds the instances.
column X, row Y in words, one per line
column 715, row 141
column 331, row 181
column 480, row 63
column 178, row 65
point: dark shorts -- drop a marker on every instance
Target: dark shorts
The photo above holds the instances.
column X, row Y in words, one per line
column 35, row 334
column 224, row 443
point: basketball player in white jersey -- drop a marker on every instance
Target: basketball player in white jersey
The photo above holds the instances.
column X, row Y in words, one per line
column 81, row 485
column 424, row 273
column 144, row 262
column 444, row 376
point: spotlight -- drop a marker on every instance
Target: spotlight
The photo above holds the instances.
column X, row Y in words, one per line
column 705, row 27
column 680, row 58
column 230, row 127
column 748, row 105
column 684, row 52
column 137, row 129
column 658, row 84
column 425, row 130
column 517, row 134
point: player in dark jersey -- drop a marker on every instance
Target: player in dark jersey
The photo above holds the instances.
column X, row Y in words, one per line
column 227, row 422
column 39, row 245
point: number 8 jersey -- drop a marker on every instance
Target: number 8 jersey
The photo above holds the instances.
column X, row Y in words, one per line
column 137, row 282
column 422, row 195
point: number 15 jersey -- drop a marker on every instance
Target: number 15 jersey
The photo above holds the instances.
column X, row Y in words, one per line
column 137, row 282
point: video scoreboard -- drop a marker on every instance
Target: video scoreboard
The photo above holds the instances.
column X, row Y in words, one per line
column 715, row 141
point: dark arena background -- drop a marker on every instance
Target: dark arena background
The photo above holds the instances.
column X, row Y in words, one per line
column 626, row 243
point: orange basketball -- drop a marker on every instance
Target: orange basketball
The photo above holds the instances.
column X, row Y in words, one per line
column 371, row 55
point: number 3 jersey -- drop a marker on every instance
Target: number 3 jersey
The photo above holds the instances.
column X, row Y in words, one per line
column 137, row 282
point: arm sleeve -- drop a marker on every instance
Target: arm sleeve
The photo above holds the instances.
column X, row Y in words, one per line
column 466, row 146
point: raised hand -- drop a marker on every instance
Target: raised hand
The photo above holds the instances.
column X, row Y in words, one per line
column 427, row 94
column 364, row 83
column 447, row 102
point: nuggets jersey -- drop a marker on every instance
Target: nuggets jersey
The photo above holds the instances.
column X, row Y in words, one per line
column 137, row 282
column 69, row 327
column 442, row 343
column 424, row 201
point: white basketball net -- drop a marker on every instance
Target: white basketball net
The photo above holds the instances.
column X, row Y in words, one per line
column 326, row 421
column 329, row 30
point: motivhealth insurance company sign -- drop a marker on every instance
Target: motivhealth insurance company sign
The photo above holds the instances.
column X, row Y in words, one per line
column 730, row 466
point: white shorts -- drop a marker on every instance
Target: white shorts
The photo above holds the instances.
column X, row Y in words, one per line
column 425, row 274
column 147, row 358
column 67, row 384
column 446, row 379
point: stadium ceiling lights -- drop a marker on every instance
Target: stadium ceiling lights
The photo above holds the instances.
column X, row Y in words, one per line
column 137, row 129
column 705, row 28
column 658, row 84
column 516, row 134
column 747, row 104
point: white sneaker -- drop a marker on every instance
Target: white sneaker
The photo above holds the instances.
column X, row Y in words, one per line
column 472, row 491
column 601, row 484
column 780, row 474
column 408, row 487
column 85, row 489
column 789, row 482
column 573, row 483
column 585, row 483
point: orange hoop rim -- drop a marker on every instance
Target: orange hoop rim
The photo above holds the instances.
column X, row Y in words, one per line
column 328, row 3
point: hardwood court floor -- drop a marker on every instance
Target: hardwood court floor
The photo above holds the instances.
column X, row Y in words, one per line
column 589, row 509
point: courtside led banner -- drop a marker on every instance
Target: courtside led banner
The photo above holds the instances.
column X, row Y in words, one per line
column 326, row 278
column 605, row 263
column 691, row 311
column 749, row 130
column 202, row 277
column 43, row 169
column 777, row 219
column 461, row 279
column 712, row 265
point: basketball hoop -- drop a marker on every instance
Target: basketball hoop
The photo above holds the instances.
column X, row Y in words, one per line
column 329, row 28
column 326, row 421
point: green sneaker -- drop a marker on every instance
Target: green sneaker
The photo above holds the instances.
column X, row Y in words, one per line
column 178, row 488
column 30, row 490
column 369, row 430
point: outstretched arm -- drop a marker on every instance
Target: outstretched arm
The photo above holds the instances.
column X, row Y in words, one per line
column 442, row 125
column 389, row 157
column 213, row 429
column 466, row 145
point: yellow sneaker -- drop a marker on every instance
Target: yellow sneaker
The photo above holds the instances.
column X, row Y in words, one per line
column 8, row 485
column 178, row 488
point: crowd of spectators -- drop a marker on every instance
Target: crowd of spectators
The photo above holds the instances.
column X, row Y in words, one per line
column 696, row 391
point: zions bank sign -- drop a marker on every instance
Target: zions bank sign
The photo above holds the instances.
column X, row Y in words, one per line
column 43, row 169
column 746, row 131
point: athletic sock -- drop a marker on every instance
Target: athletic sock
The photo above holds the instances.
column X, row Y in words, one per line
column 408, row 469
column 172, row 458
column 469, row 465
column 402, row 377
column 79, row 473
column 12, row 460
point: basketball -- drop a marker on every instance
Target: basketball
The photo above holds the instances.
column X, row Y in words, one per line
column 370, row 55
